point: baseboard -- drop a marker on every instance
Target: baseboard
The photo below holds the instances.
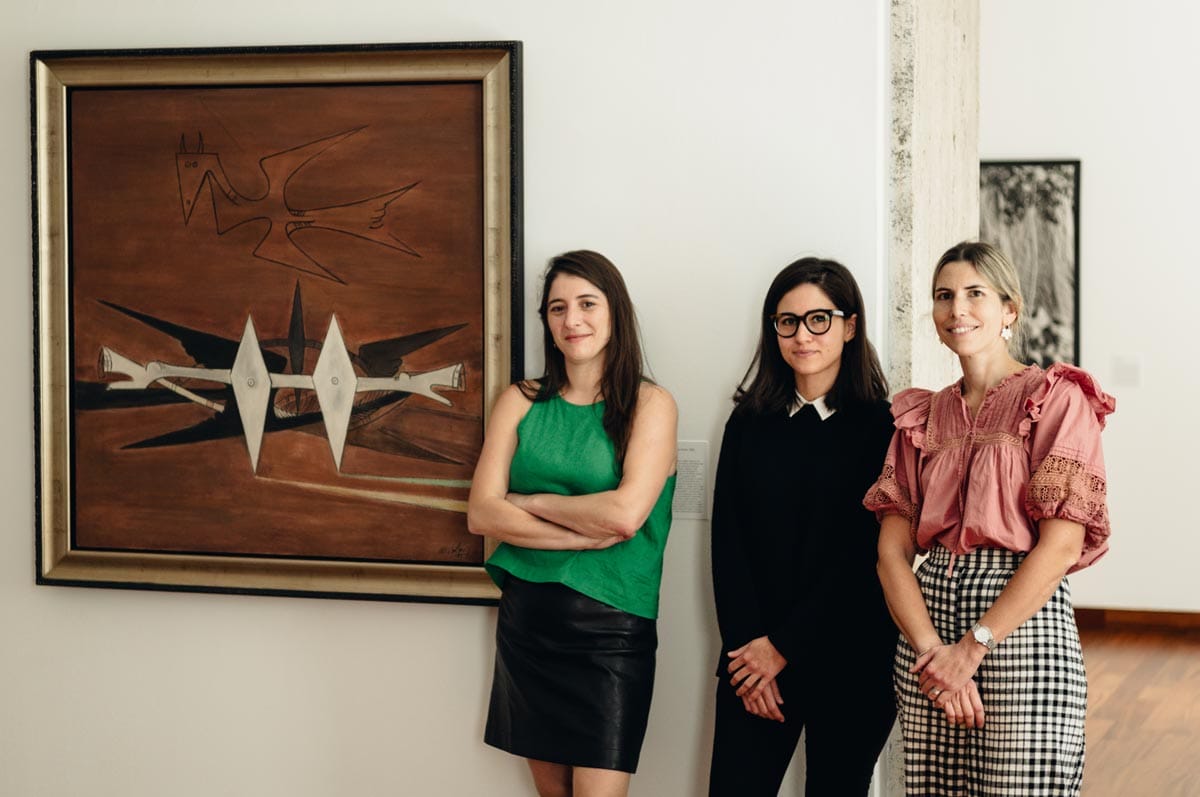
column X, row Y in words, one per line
column 1095, row 619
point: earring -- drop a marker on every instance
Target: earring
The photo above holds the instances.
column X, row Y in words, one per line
column 1006, row 333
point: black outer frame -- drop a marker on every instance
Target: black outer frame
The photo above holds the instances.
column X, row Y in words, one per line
column 1075, row 211
column 513, row 49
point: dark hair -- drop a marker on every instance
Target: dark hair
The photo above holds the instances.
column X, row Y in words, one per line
column 623, row 376
column 770, row 384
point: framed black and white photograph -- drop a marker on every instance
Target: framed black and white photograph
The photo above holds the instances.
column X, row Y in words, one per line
column 1030, row 209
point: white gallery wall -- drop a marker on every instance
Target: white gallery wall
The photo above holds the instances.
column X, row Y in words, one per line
column 1113, row 85
column 702, row 146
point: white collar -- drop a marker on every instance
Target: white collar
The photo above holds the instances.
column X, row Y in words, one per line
column 823, row 410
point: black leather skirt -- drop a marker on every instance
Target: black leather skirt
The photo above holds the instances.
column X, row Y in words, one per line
column 573, row 678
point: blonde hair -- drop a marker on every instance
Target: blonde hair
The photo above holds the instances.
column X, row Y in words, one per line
column 995, row 267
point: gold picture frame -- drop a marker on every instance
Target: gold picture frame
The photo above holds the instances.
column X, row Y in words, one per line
column 191, row 209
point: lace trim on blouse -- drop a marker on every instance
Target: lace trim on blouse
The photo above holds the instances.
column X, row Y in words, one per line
column 887, row 494
column 1064, row 487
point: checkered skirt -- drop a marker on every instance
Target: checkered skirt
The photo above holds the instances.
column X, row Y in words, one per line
column 1033, row 688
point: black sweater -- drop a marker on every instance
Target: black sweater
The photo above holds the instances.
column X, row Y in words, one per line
column 793, row 549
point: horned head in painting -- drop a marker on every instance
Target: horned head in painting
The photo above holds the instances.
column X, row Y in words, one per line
column 196, row 167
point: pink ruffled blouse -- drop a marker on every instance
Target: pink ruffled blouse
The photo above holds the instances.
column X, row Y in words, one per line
column 1032, row 452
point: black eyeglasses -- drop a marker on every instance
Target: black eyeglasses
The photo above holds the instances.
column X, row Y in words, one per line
column 817, row 322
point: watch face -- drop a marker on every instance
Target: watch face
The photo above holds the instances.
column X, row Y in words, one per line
column 983, row 636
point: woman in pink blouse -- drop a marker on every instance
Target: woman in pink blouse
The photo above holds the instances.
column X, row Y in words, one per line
column 999, row 478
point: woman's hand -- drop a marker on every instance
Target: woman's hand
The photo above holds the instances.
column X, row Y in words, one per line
column 963, row 707
column 649, row 462
column 766, row 704
column 948, row 668
column 593, row 538
column 755, row 665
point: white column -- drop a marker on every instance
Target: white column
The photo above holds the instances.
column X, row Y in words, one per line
column 934, row 200
column 934, row 171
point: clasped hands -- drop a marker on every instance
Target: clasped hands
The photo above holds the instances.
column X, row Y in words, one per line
column 754, row 667
column 945, row 675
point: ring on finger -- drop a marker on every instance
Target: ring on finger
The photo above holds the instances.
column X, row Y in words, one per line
column 934, row 692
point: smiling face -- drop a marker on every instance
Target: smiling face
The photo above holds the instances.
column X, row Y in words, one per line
column 969, row 312
column 815, row 359
column 578, row 318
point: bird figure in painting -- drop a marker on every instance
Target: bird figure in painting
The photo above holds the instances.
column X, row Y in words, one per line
column 364, row 218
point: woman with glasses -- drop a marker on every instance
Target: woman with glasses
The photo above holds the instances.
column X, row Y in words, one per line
column 806, row 641
column 999, row 478
column 575, row 480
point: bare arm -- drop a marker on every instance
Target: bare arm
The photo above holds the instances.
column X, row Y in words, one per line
column 649, row 461
column 1059, row 544
column 1058, row 548
column 911, row 615
column 490, row 513
column 900, row 587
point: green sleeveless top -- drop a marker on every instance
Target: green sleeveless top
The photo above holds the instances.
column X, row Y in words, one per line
column 562, row 448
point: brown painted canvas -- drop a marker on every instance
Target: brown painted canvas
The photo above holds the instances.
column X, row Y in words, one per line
column 194, row 209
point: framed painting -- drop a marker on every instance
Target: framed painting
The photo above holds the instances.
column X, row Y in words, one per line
column 277, row 290
column 1030, row 209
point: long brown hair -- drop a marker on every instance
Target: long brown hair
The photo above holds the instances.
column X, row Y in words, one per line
column 623, row 369
column 770, row 384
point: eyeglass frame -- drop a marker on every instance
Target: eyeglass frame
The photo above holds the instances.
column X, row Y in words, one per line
column 803, row 319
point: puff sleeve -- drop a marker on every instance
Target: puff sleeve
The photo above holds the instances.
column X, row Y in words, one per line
column 897, row 491
column 1065, row 416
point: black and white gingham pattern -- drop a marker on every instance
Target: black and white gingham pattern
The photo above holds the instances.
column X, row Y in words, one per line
column 1033, row 688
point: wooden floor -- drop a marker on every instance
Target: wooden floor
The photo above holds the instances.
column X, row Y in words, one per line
column 1143, row 722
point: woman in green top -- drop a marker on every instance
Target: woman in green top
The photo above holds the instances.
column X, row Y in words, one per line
column 575, row 480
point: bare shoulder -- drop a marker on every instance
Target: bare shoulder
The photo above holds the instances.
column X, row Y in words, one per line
column 511, row 406
column 657, row 401
column 654, row 395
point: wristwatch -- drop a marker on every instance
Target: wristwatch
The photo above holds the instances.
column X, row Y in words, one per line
column 983, row 635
